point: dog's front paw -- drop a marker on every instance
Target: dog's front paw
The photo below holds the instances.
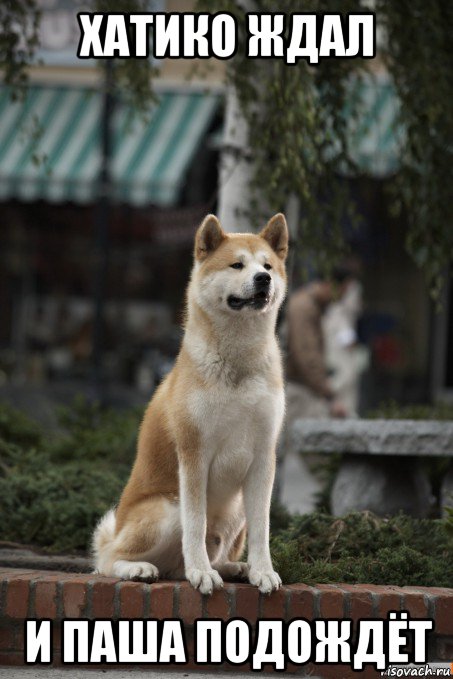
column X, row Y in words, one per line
column 235, row 570
column 266, row 580
column 204, row 580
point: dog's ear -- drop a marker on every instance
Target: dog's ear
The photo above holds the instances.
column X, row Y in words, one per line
column 208, row 238
column 276, row 234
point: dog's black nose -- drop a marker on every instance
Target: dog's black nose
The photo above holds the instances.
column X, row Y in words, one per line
column 262, row 280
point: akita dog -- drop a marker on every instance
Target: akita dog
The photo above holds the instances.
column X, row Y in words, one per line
column 205, row 463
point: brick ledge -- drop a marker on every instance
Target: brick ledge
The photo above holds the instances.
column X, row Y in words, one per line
column 55, row 595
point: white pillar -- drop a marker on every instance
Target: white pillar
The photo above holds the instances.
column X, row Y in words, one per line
column 236, row 169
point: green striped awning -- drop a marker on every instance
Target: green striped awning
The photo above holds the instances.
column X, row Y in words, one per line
column 50, row 145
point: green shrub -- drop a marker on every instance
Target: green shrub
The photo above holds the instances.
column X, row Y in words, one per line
column 90, row 432
column 17, row 428
column 52, row 491
column 55, row 506
column 391, row 410
column 361, row 547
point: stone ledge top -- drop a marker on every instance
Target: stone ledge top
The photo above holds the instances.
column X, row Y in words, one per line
column 374, row 437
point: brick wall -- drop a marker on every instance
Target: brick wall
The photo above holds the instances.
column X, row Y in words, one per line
column 47, row 594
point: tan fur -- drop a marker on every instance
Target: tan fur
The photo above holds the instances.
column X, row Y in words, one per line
column 206, row 449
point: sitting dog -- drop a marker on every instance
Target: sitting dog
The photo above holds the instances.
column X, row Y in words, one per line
column 205, row 462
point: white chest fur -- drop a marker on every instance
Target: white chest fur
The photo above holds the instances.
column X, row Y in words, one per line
column 235, row 424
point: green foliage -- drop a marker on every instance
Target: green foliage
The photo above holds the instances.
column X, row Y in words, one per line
column 98, row 435
column 19, row 40
column 420, row 59
column 392, row 410
column 19, row 21
column 53, row 489
column 280, row 517
column 363, row 548
column 55, row 506
column 17, row 428
column 449, row 521
column 325, row 467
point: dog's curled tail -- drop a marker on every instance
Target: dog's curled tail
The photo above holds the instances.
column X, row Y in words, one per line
column 102, row 542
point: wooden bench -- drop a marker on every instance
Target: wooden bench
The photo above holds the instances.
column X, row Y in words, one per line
column 381, row 468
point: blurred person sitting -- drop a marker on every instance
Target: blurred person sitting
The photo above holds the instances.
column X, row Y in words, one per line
column 346, row 358
column 310, row 393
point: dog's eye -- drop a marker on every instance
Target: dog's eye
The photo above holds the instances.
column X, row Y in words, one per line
column 237, row 265
column 268, row 267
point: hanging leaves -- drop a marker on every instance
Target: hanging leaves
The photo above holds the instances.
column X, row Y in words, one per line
column 419, row 55
column 298, row 116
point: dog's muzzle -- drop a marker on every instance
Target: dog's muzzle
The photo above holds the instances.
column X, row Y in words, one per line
column 260, row 298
